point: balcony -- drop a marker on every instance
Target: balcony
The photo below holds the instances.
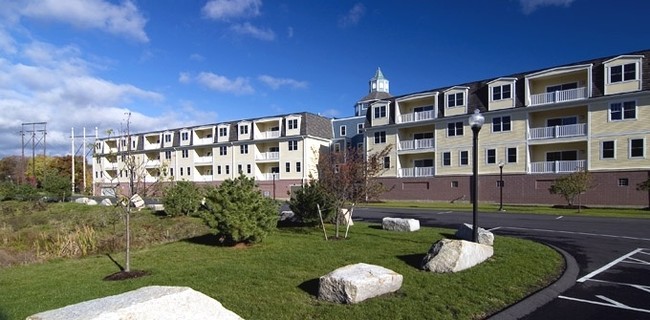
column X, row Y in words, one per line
column 110, row 166
column 416, row 144
column 203, row 178
column 269, row 134
column 416, row 116
column 572, row 130
column 557, row 166
column 152, row 163
column 558, row 96
column 270, row 176
column 203, row 160
column 416, row 172
column 268, row 156
column 202, row 141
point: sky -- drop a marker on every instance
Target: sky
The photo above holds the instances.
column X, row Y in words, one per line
column 171, row 63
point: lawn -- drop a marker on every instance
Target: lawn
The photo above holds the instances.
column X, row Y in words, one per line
column 278, row 278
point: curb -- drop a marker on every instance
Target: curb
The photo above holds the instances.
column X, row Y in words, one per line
column 545, row 295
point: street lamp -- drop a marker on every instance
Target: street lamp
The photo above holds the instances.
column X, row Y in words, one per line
column 501, row 164
column 475, row 122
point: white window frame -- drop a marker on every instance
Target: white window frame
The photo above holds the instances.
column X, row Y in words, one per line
column 292, row 145
column 343, row 130
column 460, row 158
column 496, row 158
column 501, row 123
column 442, row 159
column 455, row 95
column 629, row 148
column 223, row 151
column 456, row 129
column 379, row 111
column 636, row 72
column 243, row 149
column 602, row 150
column 360, row 128
column 380, row 137
column 622, row 103
column 500, row 92
column 508, row 155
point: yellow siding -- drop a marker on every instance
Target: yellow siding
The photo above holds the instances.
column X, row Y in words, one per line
column 621, row 154
column 538, row 119
column 504, row 103
column 621, row 87
column 539, row 85
column 538, row 152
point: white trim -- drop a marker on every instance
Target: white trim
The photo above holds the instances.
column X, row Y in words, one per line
column 603, row 149
column 460, row 158
column 496, row 156
column 629, row 148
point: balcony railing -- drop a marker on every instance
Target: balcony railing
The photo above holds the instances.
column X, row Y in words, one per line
column 203, row 178
column 416, row 172
column 557, row 166
column 268, row 156
column 152, row 163
column 151, row 145
column 110, row 166
column 416, row 144
column 571, row 130
column 270, row 176
column 558, row 96
column 416, row 116
column 269, row 134
column 199, row 141
column 203, row 160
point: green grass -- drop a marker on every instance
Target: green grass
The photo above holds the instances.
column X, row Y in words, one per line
column 278, row 279
column 528, row 209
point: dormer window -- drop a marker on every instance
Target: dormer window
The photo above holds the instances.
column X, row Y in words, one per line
column 620, row 73
column 292, row 124
column 455, row 99
column 185, row 136
column 380, row 111
column 168, row 137
column 243, row 129
column 501, row 92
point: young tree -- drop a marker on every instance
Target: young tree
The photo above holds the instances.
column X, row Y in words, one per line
column 182, row 198
column 238, row 212
column 645, row 186
column 349, row 177
column 305, row 201
column 572, row 185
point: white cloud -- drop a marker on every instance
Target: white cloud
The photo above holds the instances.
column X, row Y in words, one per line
column 226, row 9
column 184, row 77
column 353, row 16
column 124, row 19
column 220, row 83
column 528, row 6
column 249, row 29
column 276, row 83
column 197, row 57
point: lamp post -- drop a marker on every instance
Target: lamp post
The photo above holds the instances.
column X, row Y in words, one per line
column 475, row 122
column 501, row 164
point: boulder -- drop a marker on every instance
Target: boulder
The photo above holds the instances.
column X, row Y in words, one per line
column 400, row 224
column 83, row 200
column 466, row 232
column 91, row 202
column 107, row 202
column 357, row 282
column 449, row 255
column 154, row 302
column 346, row 217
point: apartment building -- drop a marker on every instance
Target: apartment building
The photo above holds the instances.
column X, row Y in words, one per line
column 278, row 151
column 539, row 125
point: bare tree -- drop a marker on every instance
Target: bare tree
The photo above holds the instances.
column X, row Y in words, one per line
column 349, row 176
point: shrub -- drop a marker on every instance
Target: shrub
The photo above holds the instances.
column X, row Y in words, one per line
column 183, row 198
column 572, row 185
column 238, row 212
column 57, row 186
column 304, row 204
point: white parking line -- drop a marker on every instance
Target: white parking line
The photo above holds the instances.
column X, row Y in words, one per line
column 443, row 212
column 560, row 217
column 495, row 228
column 620, row 306
column 609, row 265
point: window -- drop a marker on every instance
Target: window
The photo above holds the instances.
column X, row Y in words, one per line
column 287, row 167
column 621, row 73
column 562, row 87
column 168, row 137
column 185, row 153
column 446, row 158
column 622, row 111
column 133, row 144
column 464, row 158
column 223, row 132
column 491, row 156
column 636, row 148
column 248, row 168
column 455, row 99
column 223, row 151
column 386, row 162
column 292, row 124
column 454, row 184
column 240, row 169
column 185, row 136
column 123, row 142
column 171, row 171
column 501, row 92
column 380, row 112
column 218, row 169
column 500, row 124
column 552, row 122
column 181, row 171
column 608, row 150
column 511, row 154
column 243, row 149
column 298, row 167
column 243, row 129
column 168, row 155
column 359, row 128
column 337, row 147
column 423, row 163
column 570, row 155
column 380, row 137
column 227, row 169
column 422, row 109
column 188, row 171
column 623, row 182
column 293, row 145
column 342, row 130
column 454, row 129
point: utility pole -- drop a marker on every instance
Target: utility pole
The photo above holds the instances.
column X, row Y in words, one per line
column 37, row 132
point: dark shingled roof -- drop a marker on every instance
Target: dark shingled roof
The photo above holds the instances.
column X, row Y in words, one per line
column 376, row 95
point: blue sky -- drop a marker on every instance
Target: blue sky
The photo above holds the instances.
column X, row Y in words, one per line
column 171, row 63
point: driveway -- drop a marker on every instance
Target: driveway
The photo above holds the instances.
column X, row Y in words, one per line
column 612, row 255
